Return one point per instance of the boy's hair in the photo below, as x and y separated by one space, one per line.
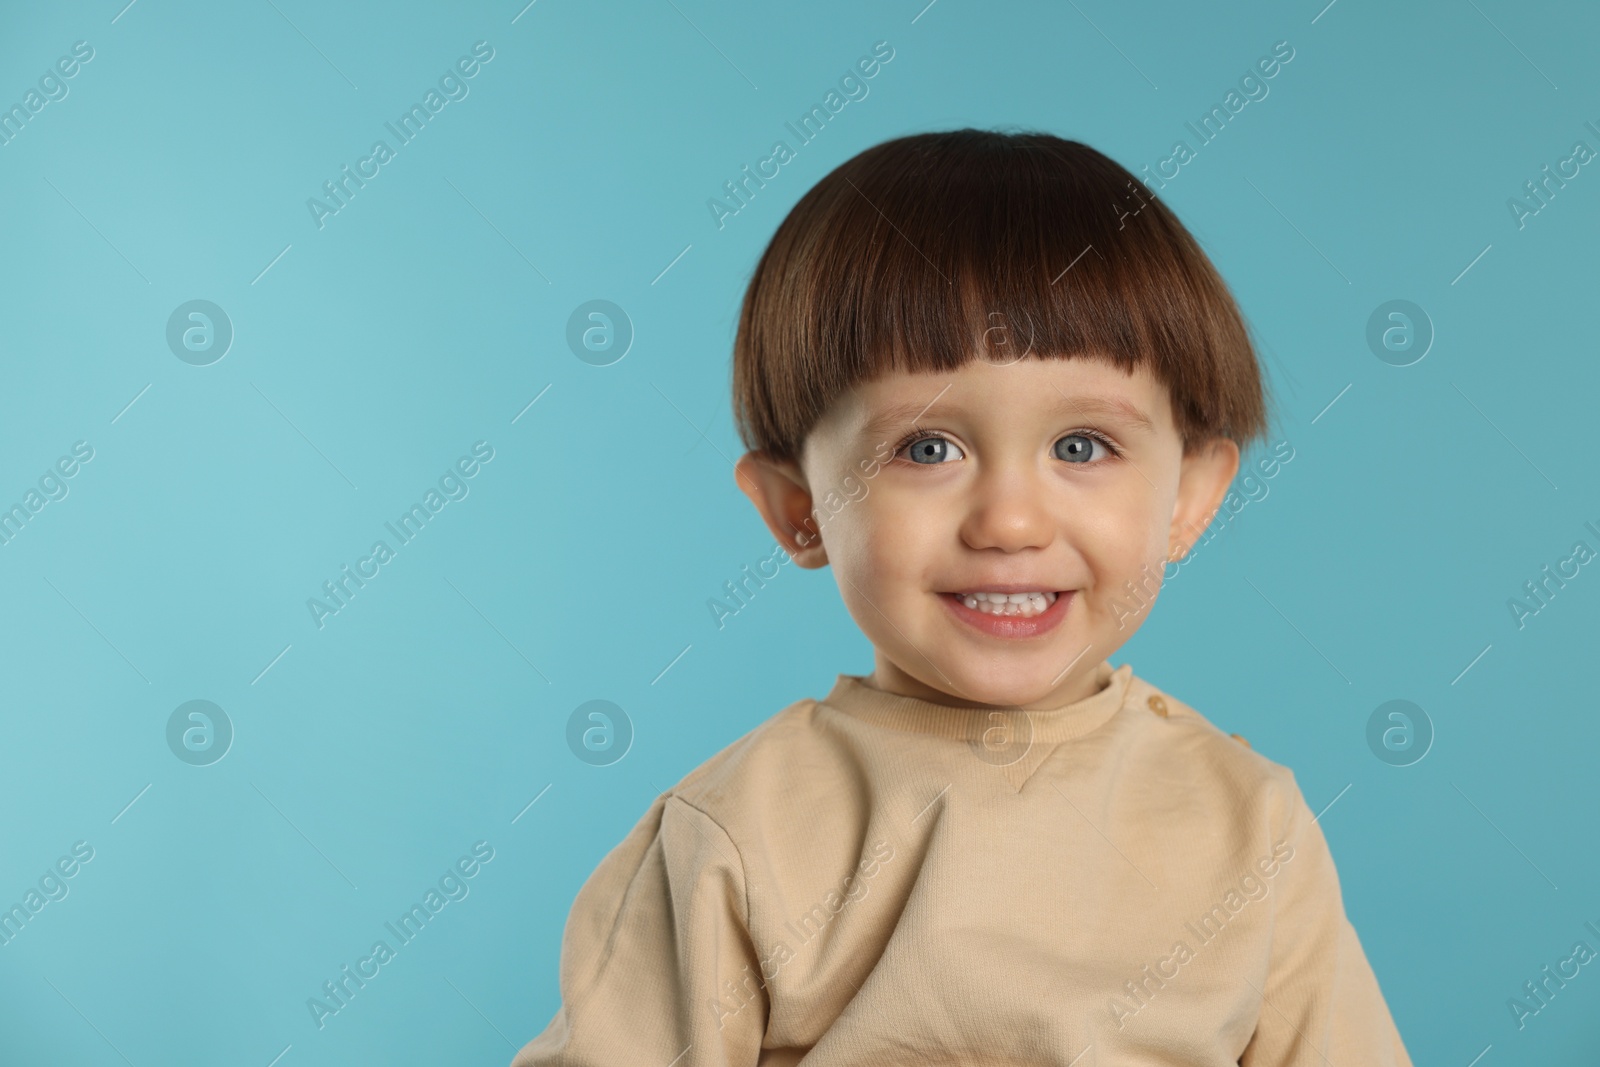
928 251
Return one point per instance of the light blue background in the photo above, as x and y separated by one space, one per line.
429 312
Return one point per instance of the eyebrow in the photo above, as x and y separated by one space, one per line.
1108 406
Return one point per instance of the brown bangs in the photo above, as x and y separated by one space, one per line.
929 251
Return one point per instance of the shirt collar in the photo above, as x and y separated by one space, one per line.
852 696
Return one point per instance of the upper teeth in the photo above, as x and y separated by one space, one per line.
1009 603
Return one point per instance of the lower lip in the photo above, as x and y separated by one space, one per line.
1011 626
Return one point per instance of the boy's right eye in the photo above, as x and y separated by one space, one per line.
933 450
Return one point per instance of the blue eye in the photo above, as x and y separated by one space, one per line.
1077 447
932 449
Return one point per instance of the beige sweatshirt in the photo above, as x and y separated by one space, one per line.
874 879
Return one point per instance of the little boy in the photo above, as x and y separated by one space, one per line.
996 848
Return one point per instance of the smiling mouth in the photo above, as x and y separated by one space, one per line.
1013 616
1016 605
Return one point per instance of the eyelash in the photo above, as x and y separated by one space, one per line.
922 435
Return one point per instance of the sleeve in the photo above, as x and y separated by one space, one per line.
657 964
1320 1001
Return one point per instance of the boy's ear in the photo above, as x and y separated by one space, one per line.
1203 481
779 491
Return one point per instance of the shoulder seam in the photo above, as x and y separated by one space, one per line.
693 779
744 877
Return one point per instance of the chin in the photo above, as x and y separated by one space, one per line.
1002 684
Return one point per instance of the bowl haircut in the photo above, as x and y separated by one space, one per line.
926 252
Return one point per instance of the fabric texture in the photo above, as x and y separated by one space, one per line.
875 879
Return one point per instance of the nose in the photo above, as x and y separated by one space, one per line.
1008 509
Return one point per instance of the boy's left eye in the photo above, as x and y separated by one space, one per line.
1078 447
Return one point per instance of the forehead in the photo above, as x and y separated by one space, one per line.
1026 390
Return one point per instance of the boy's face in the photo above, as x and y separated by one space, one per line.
1001 482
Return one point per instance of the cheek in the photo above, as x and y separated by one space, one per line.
1125 534
875 542
885 546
